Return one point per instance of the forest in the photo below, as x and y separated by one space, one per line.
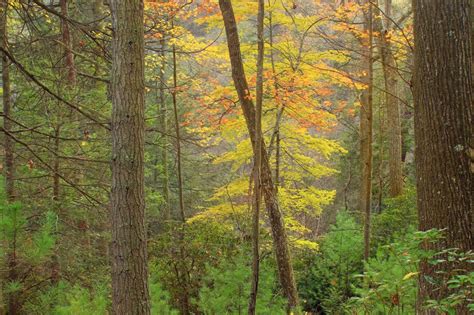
216 157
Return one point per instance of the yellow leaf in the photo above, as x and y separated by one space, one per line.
410 275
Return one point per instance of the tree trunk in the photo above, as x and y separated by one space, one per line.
279 111
471 147
56 164
129 253
443 126
7 124
14 305
366 131
280 239
55 263
67 42
185 298
163 127
394 127
257 163
178 139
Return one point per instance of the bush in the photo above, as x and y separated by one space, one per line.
389 282
327 284
227 287
160 298
398 218
66 299
459 280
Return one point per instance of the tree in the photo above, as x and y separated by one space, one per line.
366 129
257 163
443 126
394 126
67 42
13 303
129 253
8 143
280 239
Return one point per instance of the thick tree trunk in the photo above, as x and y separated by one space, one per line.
366 132
280 239
471 147
443 128
129 253
257 163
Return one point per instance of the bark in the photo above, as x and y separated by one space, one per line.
366 132
392 104
280 239
257 162
443 97
67 41
471 147
129 253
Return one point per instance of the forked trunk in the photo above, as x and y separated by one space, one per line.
280 239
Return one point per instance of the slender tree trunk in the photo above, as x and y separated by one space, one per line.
129 253
70 80
178 139
279 112
55 264
56 164
444 123
14 305
366 132
381 135
67 42
163 120
9 166
277 159
257 162
394 126
280 239
185 299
